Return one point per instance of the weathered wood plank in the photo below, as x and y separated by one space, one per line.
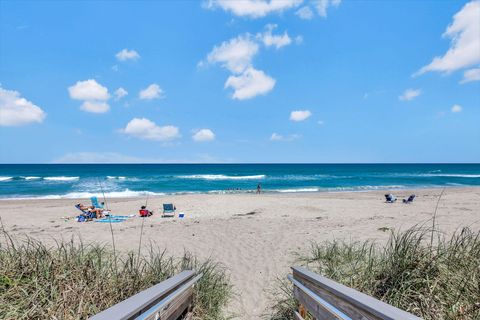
316 306
142 301
172 306
353 303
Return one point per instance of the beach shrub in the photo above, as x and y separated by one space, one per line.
72 280
418 270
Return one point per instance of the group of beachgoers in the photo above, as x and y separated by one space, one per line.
98 211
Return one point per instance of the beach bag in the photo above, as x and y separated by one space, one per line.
80 219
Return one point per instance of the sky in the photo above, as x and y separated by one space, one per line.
239 81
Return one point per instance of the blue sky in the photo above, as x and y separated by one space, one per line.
243 81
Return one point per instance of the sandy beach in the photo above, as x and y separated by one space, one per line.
253 236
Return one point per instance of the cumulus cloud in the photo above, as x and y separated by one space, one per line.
17 111
88 90
471 75
146 129
323 5
93 94
464 50
409 94
95 106
236 54
120 93
279 137
305 13
203 135
151 92
126 54
300 115
253 8
457 108
277 41
249 84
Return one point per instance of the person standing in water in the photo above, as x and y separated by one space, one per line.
259 188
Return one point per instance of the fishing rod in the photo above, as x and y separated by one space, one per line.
110 223
141 229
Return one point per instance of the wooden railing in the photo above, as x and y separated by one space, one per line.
166 300
325 299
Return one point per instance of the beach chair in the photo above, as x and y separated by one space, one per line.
410 199
390 198
168 210
95 203
87 215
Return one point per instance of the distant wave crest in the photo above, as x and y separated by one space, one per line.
61 178
5 178
222 177
453 175
116 177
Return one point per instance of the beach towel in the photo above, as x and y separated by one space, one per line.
110 220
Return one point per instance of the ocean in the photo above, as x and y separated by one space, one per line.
55 181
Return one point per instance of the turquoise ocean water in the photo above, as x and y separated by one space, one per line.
130 180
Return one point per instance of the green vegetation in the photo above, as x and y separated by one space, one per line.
71 280
419 270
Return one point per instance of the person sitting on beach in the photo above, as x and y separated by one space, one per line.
98 212
144 212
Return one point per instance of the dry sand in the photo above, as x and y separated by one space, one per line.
253 236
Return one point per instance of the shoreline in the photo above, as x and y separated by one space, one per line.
300 191
255 237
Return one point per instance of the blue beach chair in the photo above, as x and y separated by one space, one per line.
168 210
86 215
95 203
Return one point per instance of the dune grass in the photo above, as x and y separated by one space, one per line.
418 270
72 280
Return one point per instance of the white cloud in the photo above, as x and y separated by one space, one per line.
204 135
126 54
323 5
151 92
279 137
95 106
464 33
300 115
253 8
457 108
17 111
410 94
236 54
88 90
471 75
305 13
146 129
120 93
249 84
277 41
